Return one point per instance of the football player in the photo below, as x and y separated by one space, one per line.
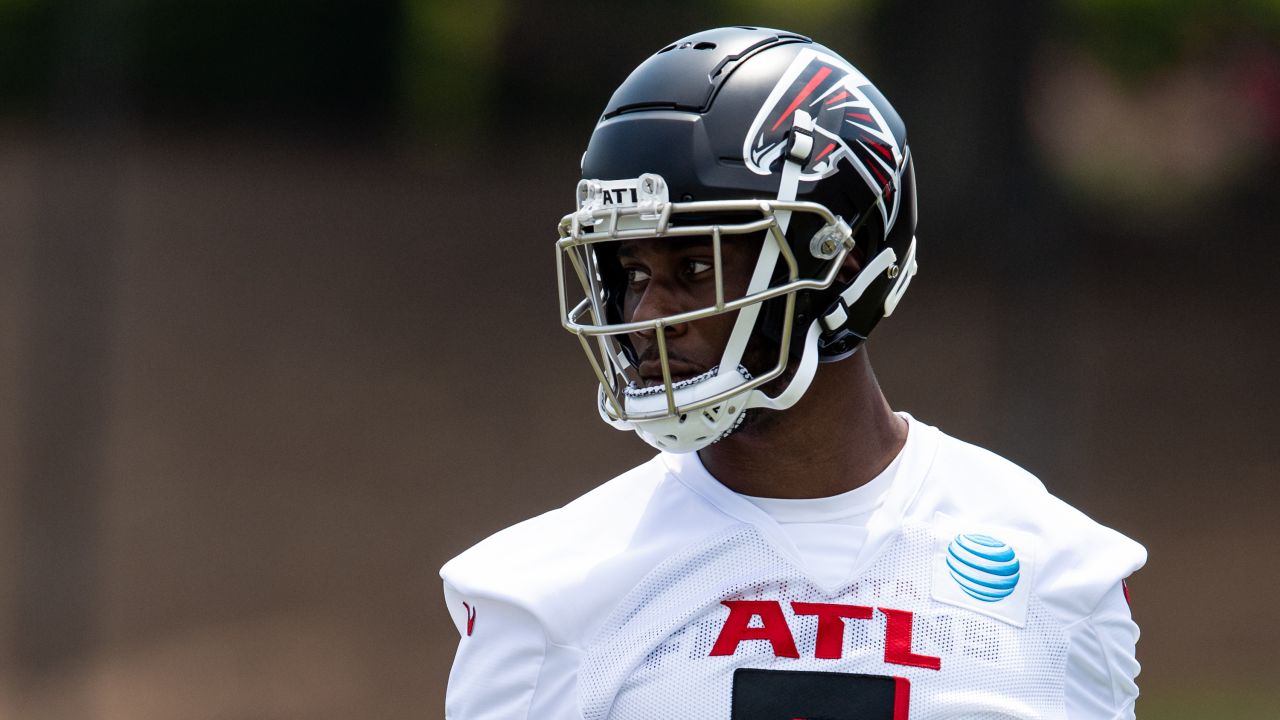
796 549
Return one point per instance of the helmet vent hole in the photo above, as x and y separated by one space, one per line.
672 438
705 46
683 417
672 46
701 438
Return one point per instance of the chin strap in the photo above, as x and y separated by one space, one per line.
799 382
746 321
800 145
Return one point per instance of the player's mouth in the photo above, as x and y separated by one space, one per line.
651 371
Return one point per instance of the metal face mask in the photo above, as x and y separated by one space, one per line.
689 414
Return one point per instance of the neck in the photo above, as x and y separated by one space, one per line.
838 437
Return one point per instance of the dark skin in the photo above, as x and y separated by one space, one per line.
766 457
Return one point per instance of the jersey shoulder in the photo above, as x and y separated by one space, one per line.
1077 559
568 567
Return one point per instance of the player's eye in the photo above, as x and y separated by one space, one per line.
697 267
636 275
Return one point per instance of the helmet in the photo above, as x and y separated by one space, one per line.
730 132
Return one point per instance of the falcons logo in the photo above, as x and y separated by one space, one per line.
847 124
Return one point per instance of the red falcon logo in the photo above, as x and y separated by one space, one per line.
847 124
471 618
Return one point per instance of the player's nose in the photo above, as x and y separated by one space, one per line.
659 300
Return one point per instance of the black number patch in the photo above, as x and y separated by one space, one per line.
801 695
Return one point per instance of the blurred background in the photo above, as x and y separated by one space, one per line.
278 328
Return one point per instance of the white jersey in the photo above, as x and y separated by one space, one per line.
972 593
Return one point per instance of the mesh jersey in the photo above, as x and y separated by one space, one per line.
663 595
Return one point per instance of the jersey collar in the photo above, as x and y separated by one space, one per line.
916 460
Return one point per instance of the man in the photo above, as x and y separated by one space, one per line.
797 549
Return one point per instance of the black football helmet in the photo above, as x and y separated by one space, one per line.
739 131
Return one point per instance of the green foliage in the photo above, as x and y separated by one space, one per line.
26 54
1135 37
450 60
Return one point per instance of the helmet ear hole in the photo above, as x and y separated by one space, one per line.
851 267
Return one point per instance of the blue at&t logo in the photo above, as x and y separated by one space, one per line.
984 567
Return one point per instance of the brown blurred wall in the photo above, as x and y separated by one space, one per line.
322 376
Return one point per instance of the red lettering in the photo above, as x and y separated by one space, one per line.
897 642
773 627
830 640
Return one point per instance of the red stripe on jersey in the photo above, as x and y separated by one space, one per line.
901 698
